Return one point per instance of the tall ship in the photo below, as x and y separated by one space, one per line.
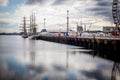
23 28
32 26
28 30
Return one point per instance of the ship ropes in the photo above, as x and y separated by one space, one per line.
28 28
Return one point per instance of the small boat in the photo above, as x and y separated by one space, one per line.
33 37
25 36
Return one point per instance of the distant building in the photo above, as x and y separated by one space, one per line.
111 31
44 30
79 28
108 29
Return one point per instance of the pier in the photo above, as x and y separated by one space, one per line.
104 47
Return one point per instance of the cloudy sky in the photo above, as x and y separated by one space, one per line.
97 12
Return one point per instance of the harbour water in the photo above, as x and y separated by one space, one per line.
25 59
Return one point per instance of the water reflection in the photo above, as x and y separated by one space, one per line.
24 47
98 73
41 60
67 57
32 52
115 71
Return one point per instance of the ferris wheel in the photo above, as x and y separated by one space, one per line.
116 14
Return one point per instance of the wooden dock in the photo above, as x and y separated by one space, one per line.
105 47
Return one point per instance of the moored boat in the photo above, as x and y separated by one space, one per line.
25 36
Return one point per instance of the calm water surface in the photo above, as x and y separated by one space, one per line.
24 59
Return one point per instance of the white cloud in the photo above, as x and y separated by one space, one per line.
10 30
4 14
3 3
10 21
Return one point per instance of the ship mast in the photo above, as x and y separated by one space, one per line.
30 25
34 27
33 24
24 26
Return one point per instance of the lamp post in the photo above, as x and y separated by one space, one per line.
44 23
67 22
